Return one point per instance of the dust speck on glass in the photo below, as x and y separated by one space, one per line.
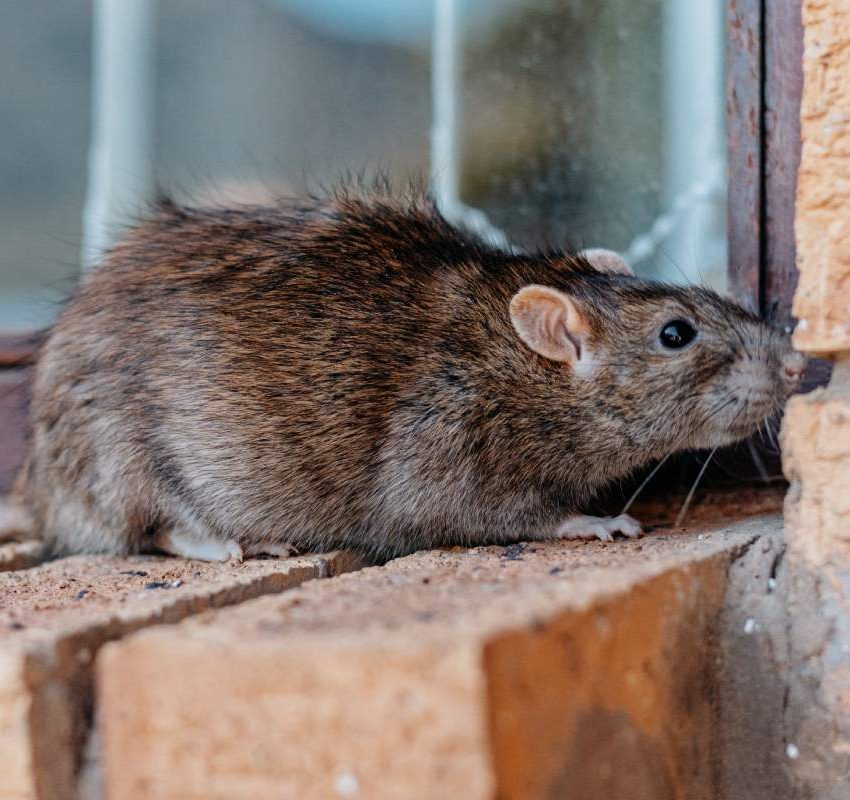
576 122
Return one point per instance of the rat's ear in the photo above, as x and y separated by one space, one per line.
549 322
607 261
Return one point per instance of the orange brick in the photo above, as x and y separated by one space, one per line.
816 458
822 300
54 618
538 671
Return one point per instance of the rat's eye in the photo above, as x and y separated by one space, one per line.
677 334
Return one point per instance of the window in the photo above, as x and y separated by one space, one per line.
543 122
601 123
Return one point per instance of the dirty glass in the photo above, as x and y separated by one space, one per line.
251 98
44 97
601 124
583 122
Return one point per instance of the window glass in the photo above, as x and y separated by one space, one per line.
584 122
601 124
44 106
253 96
250 98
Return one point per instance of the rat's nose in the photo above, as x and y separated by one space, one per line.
793 366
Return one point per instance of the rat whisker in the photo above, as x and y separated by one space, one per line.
772 432
768 441
771 448
666 253
686 505
741 408
765 478
643 484
762 431
713 412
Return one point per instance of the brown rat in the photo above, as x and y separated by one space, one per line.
355 372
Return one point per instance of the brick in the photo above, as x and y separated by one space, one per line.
533 671
816 459
822 300
55 617
750 754
816 430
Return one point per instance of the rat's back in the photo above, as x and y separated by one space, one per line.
235 372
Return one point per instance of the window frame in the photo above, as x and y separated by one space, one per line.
764 89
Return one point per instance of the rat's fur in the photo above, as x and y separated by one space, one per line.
344 373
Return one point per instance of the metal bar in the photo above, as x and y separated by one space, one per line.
783 88
445 163
694 142
121 167
744 119
444 81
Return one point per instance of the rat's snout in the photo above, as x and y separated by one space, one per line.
793 366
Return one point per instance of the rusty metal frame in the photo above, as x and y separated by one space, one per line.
764 86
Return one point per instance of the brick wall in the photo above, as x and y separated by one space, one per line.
816 435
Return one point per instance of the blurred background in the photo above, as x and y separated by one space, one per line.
539 122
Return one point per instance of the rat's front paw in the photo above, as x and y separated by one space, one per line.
197 545
602 528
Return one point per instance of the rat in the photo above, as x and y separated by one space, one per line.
353 371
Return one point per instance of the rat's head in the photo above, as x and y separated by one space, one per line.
658 367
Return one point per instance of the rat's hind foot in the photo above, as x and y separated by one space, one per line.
602 528
200 548
15 523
